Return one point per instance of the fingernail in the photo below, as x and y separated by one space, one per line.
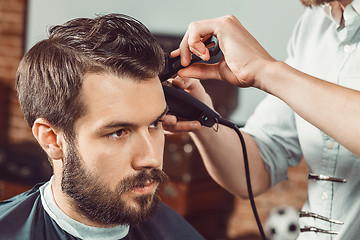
194 125
198 53
179 81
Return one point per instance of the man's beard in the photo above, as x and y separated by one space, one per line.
98 203
311 3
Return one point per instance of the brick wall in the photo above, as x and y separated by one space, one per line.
12 33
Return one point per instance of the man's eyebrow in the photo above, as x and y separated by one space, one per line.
161 116
119 124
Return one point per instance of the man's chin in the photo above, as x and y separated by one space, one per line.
134 210
139 209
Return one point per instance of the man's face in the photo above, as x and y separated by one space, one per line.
113 169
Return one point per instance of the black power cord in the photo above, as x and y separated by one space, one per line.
185 106
247 173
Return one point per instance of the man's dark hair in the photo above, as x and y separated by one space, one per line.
50 75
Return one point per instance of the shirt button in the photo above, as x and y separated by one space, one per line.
329 144
347 48
324 196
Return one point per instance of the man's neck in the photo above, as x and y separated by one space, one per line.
344 3
337 9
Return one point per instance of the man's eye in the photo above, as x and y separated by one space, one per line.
118 134
156 124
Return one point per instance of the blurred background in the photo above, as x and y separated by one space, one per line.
211 210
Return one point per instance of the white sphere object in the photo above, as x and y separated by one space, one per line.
283 223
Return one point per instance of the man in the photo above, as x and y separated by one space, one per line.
303 116
92 96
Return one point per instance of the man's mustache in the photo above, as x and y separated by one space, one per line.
141 179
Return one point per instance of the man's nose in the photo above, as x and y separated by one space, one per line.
147 154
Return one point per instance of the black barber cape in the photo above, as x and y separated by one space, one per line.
24 218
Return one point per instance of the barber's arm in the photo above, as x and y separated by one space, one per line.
221 151
247 64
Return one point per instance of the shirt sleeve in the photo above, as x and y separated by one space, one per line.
274 130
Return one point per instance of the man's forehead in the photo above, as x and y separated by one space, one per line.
111 98
107 88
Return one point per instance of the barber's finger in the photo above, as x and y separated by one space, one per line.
185 61
188 84
184 126
196 32
181 82
192 42
169 120
219 71
185 54
200 71
200 50
175 53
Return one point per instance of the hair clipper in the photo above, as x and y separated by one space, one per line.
181 103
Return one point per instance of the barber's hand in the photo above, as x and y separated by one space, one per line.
244 58
194 87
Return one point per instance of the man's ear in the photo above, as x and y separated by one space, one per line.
49 138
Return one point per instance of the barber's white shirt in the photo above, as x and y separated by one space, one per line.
323 48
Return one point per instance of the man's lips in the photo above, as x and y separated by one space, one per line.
148 187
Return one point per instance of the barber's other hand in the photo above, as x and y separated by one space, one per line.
244 58
194 87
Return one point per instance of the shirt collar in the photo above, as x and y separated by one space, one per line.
356 5
336 13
